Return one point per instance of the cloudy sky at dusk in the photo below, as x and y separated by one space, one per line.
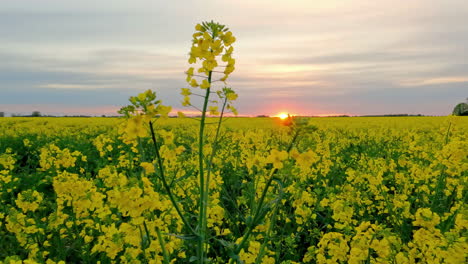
305 57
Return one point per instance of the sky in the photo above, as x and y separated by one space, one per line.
305 57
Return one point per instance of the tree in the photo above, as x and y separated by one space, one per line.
2 114
461 109
36 114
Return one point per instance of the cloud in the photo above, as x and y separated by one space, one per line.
319 56
440 80
94 70
76 86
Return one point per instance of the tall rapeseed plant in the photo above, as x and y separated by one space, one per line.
212 63
211 49
211 55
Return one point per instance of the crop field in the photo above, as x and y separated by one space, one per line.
301 190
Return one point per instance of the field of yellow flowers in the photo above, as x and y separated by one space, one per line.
344 190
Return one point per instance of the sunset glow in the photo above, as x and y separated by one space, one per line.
283 116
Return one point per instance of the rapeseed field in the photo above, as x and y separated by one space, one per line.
349 190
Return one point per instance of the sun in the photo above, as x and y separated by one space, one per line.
283 116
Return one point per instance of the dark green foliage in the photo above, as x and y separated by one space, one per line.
461 109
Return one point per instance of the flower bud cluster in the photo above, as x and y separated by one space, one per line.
211 48
140 112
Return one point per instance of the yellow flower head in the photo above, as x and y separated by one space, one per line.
185 92
210 40
149 167
29 200
213 110
194 83
277 157
199 27
205 84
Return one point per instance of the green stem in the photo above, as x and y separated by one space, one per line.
202 204
143 244
215 147
447 135
254 223
164 182
256 217
210 163
163 246
268 234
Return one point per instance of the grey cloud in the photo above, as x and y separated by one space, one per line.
365 50
26 80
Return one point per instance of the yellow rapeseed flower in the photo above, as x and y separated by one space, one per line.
276 158
149 167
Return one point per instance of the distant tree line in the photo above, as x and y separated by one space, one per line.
390 115
33 114
460 109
